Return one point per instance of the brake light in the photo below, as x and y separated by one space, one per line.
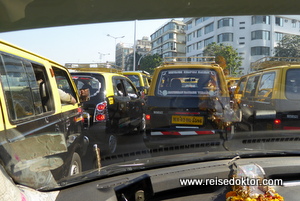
101 106
100 112
147 117
100 117
277 121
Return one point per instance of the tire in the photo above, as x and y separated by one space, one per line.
76 166
112 143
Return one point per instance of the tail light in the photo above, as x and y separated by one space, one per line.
277 124
100 112
277 121
147 117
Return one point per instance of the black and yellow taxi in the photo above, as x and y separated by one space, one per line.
186 99
141 79
268 98
115 107
41 124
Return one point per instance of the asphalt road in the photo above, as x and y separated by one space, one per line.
130 147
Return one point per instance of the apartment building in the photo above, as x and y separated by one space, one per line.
122 52
254 37
169 40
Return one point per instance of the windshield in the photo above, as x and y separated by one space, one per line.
245 100
189 82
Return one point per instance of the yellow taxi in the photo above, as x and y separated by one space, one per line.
186 99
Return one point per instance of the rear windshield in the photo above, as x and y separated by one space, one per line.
87 82
292 90
187 82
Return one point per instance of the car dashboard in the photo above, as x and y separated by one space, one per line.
164 183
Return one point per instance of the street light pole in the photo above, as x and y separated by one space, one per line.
101 54
115 44
115 38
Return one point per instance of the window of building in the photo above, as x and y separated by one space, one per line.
208 41
260 19
168 36
278 36
260 34
279 21
225 22
199 45
188 26
294 22
189 37
189 49
225 37
169 26
259 50
199 20
209 28
242 27
199 32
242 37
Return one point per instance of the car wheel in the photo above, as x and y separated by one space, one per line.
112 143
76 166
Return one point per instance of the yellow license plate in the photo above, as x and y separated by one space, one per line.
191 120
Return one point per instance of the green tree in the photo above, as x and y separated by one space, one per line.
288 46
150 62
232 60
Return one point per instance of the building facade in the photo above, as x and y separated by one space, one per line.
143 46
169 40
254 37
122 52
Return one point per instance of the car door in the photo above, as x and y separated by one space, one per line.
122 101
135 104
28 125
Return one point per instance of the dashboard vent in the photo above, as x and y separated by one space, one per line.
265 140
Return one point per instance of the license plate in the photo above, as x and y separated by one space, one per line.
191 120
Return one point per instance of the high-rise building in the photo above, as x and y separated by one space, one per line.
254 37
122 52
169 40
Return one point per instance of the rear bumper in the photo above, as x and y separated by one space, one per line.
197 138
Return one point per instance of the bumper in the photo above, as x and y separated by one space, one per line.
170 138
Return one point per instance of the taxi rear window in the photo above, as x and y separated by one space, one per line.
187 82
87 82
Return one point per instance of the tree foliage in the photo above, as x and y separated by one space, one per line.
289 46
226 57
150 62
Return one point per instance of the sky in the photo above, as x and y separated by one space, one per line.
82 43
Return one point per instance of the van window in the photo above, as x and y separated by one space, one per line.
119 88
130 89
20 88
266 85
242 85
251 86
63 82
292 87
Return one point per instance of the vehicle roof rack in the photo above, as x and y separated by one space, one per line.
189 60
96 67
268 62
